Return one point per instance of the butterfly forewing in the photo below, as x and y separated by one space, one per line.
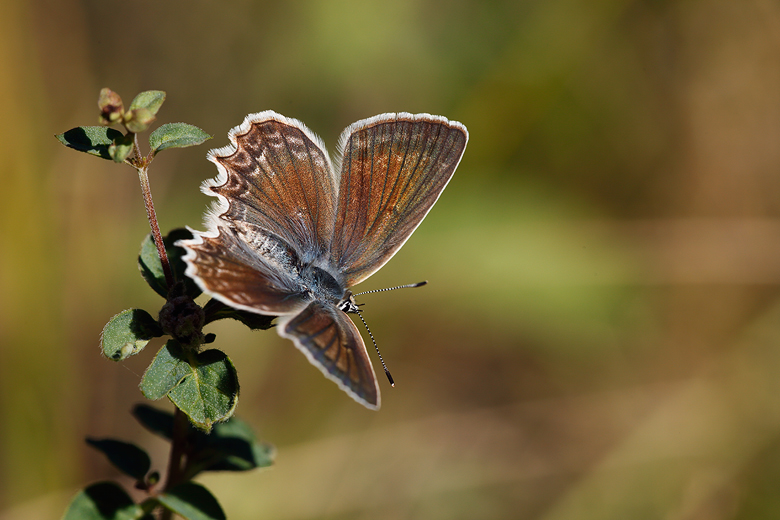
279 178
393 169
333 344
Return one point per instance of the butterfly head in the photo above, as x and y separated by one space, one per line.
347 303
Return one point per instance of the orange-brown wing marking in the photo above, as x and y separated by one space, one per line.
279 179
333 344
229 267
393 170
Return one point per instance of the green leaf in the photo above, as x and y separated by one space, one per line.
151 267
216 310
210 393
127 334
192 501
138 119
231 446
121 148
104 501
150 100
94 140
128 458
236 440
176 135
203 386
156 421
169 367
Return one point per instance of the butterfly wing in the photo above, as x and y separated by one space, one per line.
277 176
276 208
246 268
333 344
393 169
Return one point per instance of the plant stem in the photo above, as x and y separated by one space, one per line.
179 447
178 453
152 215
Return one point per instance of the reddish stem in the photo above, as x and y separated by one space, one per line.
180 421
150 213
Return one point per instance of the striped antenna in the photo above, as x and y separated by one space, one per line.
387 372
407 286
360 313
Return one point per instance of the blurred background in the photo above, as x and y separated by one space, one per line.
600 338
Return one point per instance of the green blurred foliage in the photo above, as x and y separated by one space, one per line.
600 334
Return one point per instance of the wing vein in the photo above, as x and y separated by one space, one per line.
383 202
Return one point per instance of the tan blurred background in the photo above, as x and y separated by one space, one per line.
600 338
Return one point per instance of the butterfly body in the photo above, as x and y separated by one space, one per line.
292 233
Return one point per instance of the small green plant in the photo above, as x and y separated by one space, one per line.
202 384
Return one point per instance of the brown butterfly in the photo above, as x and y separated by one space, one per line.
291 233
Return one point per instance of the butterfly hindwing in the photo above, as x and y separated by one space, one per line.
246 268
333 344
393 169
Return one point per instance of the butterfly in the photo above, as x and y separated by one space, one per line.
292 231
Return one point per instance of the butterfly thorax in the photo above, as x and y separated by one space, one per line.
321 285
294 270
